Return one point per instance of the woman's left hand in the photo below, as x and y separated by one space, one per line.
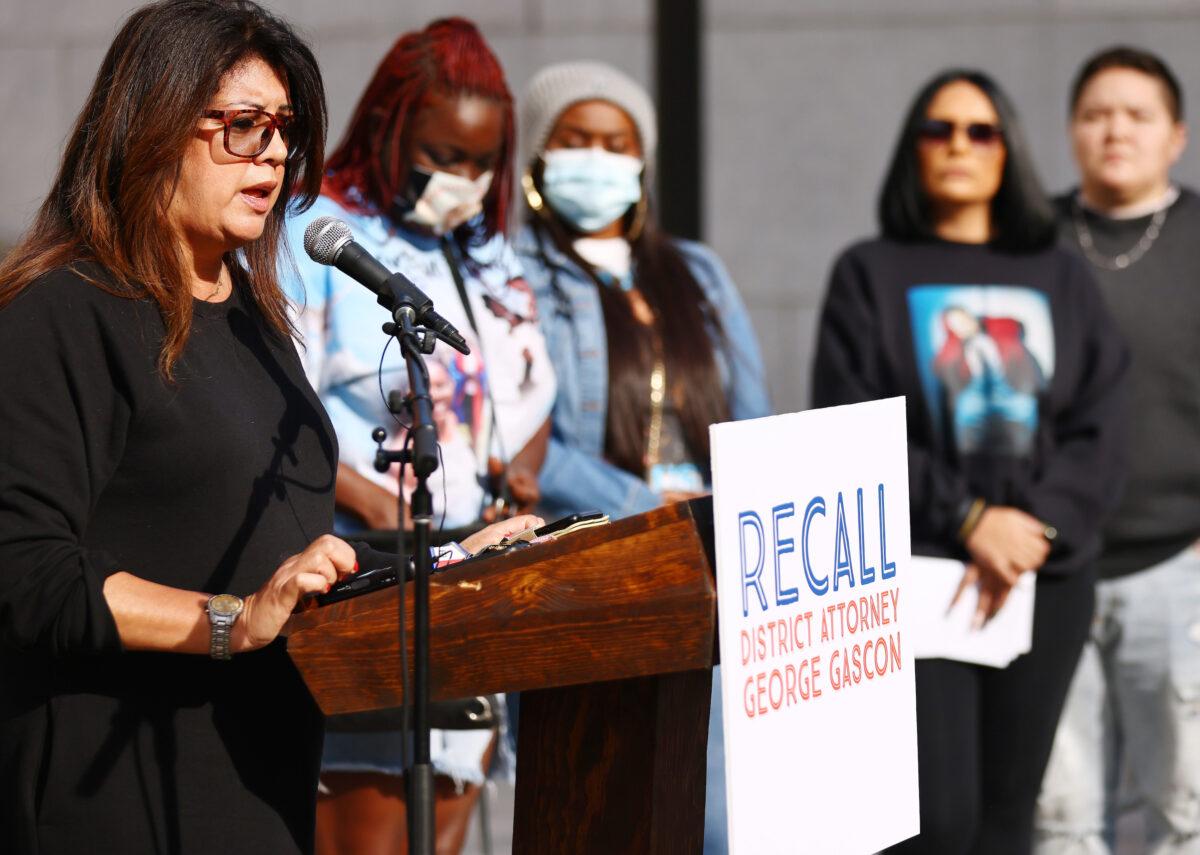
496 532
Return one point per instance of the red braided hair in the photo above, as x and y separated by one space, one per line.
370 166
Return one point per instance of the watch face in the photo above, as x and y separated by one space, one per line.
225 605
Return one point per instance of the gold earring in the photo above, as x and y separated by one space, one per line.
532 196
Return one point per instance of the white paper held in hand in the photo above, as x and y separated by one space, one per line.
942 631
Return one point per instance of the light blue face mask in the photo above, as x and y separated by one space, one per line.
589 187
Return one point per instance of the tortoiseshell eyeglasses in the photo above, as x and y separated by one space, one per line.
248 131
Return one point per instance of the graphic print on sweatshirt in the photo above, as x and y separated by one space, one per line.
984 354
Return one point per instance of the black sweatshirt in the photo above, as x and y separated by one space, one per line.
1156 304
1012 371
206 484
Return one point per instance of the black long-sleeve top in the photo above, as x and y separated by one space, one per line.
206 483
1013 376
1156 305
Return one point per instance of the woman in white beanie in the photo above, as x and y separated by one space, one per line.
648 335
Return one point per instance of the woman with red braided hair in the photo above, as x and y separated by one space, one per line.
423 177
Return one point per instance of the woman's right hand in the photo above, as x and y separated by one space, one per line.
993 593
326 560
1007 542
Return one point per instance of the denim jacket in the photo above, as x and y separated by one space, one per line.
575 475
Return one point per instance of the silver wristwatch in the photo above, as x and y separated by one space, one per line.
223 610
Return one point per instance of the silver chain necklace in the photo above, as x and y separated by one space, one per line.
1124 259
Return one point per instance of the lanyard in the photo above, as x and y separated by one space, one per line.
499 488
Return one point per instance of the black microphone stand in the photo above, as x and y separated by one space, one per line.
416 342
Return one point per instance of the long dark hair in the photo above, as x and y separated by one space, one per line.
370 166
123 159
1022 217
685 323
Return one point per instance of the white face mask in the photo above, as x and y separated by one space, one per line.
589 187
448 201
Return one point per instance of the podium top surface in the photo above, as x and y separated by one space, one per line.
629 599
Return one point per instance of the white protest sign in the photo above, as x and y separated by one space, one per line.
811 527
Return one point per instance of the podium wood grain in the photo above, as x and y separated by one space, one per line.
609 632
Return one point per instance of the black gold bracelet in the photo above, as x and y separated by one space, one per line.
971 520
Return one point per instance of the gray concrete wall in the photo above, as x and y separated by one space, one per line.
803 102
50 51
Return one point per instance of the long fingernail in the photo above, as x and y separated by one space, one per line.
355 570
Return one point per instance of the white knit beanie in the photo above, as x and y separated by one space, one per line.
556 87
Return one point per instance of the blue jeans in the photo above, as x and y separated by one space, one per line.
1135 700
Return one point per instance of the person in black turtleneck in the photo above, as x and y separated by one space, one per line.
1012 371
1133 711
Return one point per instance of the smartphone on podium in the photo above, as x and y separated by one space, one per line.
560 527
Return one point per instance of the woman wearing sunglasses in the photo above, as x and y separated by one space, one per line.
423 177
1012 373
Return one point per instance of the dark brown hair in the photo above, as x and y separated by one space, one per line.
1122 56
109 201
686 323
370 166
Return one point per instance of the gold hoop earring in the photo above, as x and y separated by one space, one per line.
532 196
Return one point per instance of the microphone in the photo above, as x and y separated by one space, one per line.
328 240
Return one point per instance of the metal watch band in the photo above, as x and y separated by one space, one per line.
219 639
223 611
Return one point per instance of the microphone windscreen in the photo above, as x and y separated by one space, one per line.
324 239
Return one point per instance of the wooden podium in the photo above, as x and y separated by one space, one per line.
608 633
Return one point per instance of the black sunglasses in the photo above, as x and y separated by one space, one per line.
939 130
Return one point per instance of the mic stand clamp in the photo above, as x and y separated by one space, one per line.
424 338
384 458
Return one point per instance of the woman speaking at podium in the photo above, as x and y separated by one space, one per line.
1011 369
167 474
